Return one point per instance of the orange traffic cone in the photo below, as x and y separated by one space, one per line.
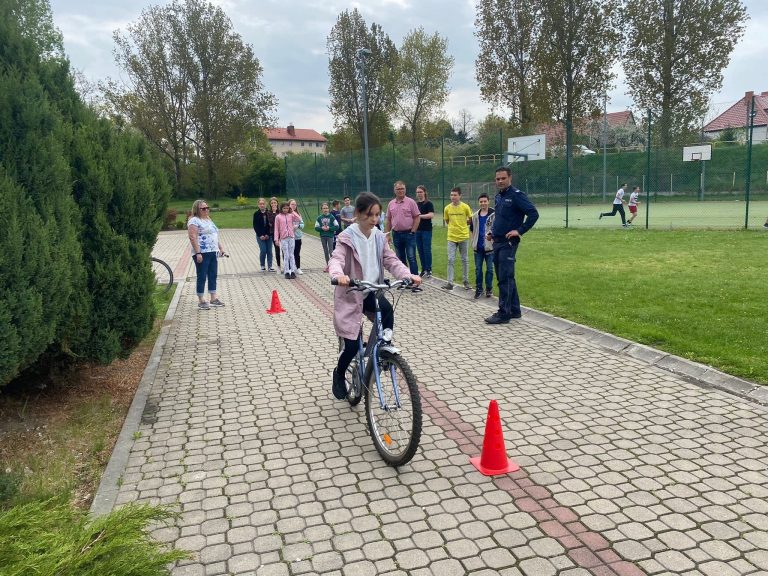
493 459
276 307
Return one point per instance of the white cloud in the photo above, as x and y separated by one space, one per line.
289 38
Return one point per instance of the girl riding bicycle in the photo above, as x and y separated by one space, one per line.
362 252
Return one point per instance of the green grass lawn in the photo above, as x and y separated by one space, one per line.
699 295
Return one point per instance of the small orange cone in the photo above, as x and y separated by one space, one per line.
276 307
493 459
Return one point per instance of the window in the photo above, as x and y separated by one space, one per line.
302 144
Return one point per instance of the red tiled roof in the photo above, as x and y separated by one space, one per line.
619 118
736 115
305 134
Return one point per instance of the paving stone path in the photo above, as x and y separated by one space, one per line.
631 462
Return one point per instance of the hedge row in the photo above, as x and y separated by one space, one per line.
81 203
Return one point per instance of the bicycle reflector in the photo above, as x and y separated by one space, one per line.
387 334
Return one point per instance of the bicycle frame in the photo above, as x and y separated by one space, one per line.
368 357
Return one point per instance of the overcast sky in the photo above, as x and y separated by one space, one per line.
289 38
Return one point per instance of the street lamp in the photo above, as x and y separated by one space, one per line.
362 54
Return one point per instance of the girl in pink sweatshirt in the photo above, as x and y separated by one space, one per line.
285 239
362 252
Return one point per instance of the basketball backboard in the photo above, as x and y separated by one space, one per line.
526 148
697 153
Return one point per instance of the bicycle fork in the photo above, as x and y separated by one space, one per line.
372 364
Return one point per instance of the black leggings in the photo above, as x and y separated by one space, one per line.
297 253
350 346
616 208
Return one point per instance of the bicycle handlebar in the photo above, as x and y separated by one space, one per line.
355 284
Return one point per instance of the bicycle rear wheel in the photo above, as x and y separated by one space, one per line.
163 274
352 379
395 431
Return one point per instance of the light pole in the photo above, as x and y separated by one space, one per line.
362 54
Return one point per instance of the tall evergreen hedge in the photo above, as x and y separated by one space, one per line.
81 204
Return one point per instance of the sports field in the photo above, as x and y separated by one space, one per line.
662 215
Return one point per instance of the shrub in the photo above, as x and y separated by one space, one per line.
82 203
42 276
51 537
169 222
123 194
241 200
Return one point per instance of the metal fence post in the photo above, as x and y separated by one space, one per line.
442 169
748 170
648 173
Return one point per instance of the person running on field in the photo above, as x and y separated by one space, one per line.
618 205
362 252
634 200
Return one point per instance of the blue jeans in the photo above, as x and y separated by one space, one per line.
480 259
504 255
424 246
405 246
265 251
208 269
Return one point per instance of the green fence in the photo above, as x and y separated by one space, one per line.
675 194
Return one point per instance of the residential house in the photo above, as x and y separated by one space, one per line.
622 131
293 140
736 117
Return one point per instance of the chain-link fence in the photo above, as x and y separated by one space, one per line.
730 190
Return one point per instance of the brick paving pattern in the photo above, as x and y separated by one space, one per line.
627 468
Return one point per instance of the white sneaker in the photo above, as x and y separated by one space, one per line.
298 271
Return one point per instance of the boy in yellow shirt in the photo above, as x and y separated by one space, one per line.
457 216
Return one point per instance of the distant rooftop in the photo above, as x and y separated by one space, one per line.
736 115
291 133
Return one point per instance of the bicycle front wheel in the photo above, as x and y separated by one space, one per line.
163 274
395 431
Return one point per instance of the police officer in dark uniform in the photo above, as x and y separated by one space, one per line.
514 215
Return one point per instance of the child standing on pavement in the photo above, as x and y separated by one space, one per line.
285 239
362 252
457 216
327 225
482 246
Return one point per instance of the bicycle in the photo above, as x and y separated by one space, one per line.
163 273
382 376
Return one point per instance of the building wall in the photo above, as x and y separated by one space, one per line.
759 134
283 147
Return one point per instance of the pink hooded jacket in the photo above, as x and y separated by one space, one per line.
348 308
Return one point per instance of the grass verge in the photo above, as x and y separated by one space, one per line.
55 441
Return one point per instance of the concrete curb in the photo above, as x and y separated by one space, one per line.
699 374
104 500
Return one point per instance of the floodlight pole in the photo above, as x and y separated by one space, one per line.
750 106
362 54
605 145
